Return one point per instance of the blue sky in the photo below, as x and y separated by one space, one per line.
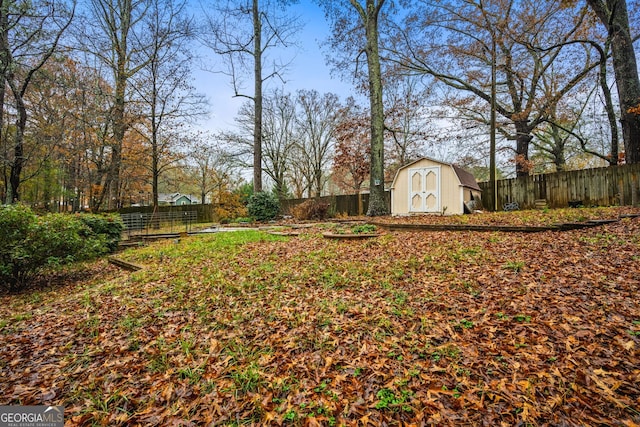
308 71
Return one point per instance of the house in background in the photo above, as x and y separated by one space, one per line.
430 186
176 199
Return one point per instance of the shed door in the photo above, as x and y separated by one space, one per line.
424 189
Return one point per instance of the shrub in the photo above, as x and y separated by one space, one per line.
230 206
263 206
364 229
244 193
311 209
106 227
16 223
34 243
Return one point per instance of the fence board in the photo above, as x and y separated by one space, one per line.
339 205
593 187
613 185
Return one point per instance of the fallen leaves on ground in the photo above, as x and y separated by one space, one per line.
531 218
409 328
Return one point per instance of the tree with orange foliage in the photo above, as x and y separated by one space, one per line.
30 33
134 174
116 33
352 159
51 170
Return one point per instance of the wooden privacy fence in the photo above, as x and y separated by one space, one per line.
339 205
613 185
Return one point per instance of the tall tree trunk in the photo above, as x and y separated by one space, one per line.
558 150
318 182
377 204
119 39
155 152
203 191
257 99
523 140
154 172
17 165
4 67
19 160
119 129
613 14
608 101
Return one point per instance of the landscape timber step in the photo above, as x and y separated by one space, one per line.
350 236
540 204
124 264
566 226
284 233
162 236
123 244
602 221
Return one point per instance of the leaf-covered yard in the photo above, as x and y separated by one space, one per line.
409 328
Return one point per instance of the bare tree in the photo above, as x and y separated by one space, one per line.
164 97
113 33
460 42
566 135
317 121
245 32
406 120
280 136
210 165
351 163
555 140
30 33
238 142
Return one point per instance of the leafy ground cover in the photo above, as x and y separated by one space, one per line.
409 328
540 217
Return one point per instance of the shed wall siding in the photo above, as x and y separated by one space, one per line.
451 192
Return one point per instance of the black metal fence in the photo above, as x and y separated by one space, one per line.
206 213
145 223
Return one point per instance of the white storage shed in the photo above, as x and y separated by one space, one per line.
430 186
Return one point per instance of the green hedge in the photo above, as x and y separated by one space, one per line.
263 206
34 243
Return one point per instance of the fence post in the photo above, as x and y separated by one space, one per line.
634 189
